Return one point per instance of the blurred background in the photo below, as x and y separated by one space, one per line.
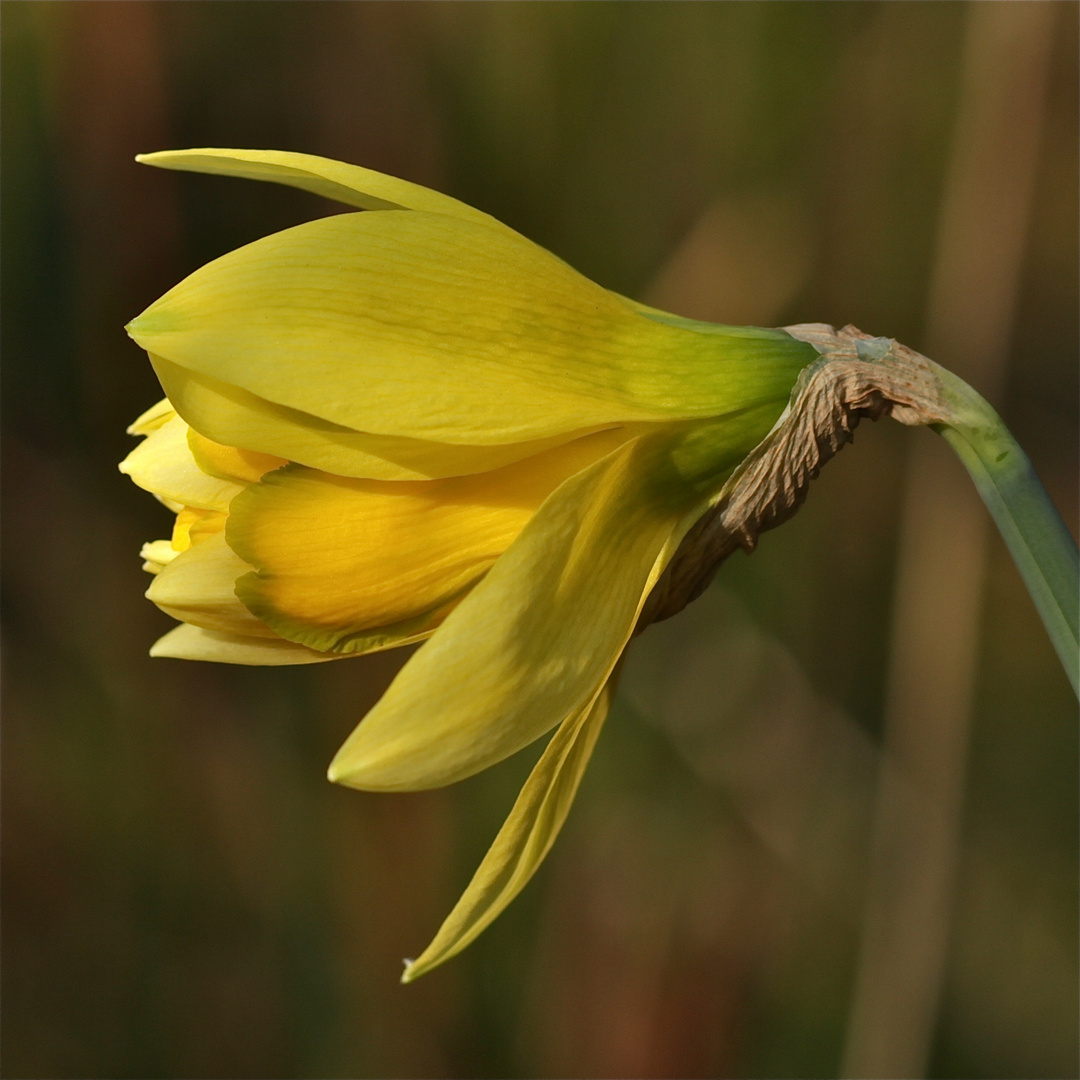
831 828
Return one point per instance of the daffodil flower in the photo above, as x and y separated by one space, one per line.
414 423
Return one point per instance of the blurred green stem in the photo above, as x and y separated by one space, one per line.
1041 546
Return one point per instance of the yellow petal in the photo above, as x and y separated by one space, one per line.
238 418
187 642
336 557
526 837
156 555
153 418
198 587
163 464
442 328
230 462
349 184
194 525
530 644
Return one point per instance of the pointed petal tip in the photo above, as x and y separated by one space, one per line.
157 157
156 650
408 975
148 325
338 772
349 775
137 328
377 776
347 772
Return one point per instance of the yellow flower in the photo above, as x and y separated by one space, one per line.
414 422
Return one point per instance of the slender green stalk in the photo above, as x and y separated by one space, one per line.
1041 546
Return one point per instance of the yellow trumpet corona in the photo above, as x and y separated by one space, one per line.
412 423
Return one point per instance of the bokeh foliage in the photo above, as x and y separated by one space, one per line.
184 894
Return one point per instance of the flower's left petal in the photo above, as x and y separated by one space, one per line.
525 838
186 642
349 184
198 587
163 464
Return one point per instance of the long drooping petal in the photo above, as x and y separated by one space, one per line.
526 836
335 557
444 329
532 642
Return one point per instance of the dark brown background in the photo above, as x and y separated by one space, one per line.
184 894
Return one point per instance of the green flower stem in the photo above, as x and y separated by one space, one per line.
1041 546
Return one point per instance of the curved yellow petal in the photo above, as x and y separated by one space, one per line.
235 417
336 556
163 464
530 644
198 587
525 838
186 642
349 184
442 328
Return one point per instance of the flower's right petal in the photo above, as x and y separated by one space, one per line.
187 642
163 464
525 838
532 642
349 184
235 417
